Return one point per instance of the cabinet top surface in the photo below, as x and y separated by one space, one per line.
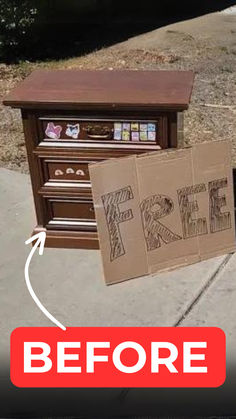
64 89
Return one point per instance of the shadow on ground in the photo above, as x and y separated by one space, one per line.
67 33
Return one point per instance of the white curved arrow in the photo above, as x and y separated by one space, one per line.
40 241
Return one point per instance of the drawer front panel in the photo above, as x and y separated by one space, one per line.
68 213
72 210
65 172
118 133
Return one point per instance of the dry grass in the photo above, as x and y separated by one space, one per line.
215 84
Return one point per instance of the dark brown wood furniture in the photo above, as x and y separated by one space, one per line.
72 118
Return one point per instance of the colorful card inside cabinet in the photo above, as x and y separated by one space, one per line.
135 131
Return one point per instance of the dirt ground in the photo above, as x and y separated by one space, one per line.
206 45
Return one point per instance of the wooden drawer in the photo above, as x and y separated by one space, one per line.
70 213
60 172
148 133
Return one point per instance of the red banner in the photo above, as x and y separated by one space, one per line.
118 357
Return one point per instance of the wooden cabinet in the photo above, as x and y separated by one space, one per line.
73 118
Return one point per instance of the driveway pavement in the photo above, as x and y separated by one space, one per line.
70 282
70 285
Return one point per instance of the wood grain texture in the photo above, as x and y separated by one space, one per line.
61 89
63 200
69 239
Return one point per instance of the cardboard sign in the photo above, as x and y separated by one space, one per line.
163 210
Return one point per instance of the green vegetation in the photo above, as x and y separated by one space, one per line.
17 18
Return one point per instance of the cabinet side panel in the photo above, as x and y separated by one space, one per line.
31 141
172 119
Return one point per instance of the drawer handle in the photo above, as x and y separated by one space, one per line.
91 209
99 135
97 131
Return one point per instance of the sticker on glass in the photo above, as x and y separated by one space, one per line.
143 136
134 126
126 126
151 127
151 136
117 126
73 131
135 136
53 131
117 135
143 127
125 135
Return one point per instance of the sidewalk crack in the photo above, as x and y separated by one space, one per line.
203 290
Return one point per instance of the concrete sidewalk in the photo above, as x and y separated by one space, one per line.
70 285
